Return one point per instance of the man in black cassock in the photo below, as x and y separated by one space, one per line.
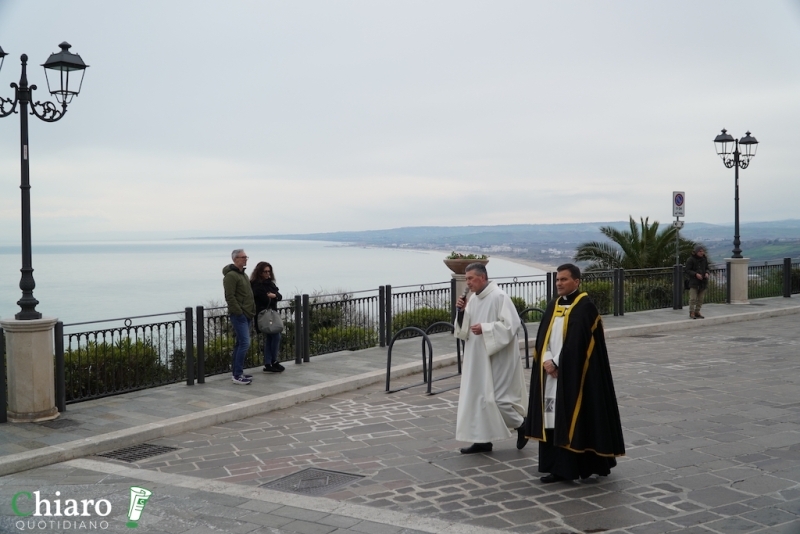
572 410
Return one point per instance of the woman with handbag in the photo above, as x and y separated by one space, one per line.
266 295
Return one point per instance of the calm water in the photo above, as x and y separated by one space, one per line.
91 281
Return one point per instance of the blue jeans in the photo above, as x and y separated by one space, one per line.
241 332
272 343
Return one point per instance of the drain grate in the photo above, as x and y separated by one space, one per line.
312 481
137 452
60 423
650 336
747 339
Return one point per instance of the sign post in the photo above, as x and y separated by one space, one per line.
678 211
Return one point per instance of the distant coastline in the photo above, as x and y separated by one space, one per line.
530 263
545 267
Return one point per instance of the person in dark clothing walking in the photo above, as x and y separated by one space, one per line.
266 295
697 271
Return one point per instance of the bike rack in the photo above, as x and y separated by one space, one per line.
459 345
525 329
425 340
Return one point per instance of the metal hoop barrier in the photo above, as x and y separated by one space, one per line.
425 339
431 380
525 329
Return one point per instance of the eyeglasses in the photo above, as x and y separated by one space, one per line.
242 257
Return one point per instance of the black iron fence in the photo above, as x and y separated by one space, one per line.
344 321
527 292
127 354
120 355
419 305
647 289
765 280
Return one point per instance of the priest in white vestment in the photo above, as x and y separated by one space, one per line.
492 399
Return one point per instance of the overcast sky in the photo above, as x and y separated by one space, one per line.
256 117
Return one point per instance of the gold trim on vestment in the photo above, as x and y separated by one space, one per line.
558 311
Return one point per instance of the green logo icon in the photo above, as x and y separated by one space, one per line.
139 498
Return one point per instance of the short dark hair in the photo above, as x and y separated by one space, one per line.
478 268
573 269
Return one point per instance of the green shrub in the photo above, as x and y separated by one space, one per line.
649 297
530 317
217 355
601 293
328 316
519 304
101 368
421 318
326 340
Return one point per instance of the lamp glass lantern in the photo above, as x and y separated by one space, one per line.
61 70
725 144
748 145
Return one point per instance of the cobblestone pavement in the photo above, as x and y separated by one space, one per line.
712 426
711 421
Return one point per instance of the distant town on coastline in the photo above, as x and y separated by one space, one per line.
556 243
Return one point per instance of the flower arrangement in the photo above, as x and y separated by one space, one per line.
459 256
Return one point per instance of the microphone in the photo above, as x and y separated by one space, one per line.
460 314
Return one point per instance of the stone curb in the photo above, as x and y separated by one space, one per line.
307 502
23 461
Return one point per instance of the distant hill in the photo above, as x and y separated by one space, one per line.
556 242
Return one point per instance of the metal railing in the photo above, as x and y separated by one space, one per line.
600 285
128 354
647 289
345 321
765 280
428 304
119 358
526 292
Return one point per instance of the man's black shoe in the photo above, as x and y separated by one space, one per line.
521 439
278 367
477 447
270 369
551 478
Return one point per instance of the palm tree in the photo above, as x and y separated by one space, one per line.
634 249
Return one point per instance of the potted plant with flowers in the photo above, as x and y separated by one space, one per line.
457 262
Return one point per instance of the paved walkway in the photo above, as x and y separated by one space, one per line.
710 409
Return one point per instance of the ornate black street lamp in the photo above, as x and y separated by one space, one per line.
728 150
67 66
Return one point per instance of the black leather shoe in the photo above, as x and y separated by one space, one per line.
551 478
521 439
477 447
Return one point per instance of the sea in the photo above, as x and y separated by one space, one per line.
91 281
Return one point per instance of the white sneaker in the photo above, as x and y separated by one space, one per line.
241 381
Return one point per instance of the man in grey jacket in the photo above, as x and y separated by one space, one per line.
241 309
697 271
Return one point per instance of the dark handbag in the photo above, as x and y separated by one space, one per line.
686 284
269 322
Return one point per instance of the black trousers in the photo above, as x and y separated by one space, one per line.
571 465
